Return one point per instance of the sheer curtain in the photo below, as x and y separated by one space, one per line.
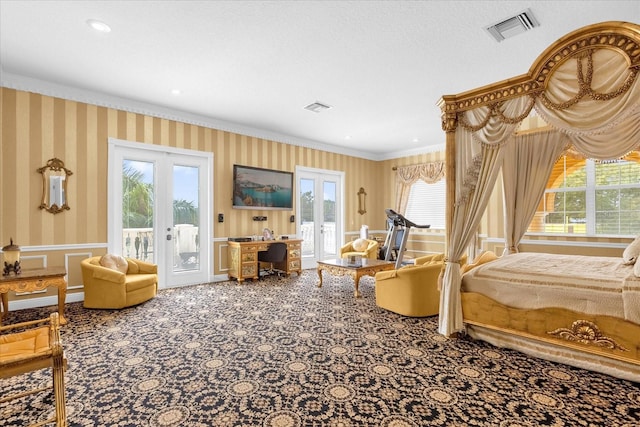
479 154
406 176
527 164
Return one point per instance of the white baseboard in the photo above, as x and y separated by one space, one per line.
220 278
43 301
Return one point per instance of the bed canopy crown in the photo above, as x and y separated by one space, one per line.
620 36
585 86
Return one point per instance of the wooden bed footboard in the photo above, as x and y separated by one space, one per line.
605 336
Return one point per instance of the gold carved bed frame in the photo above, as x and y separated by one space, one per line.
600 343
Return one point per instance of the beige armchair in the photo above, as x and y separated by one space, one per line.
412 290
364 248
109 288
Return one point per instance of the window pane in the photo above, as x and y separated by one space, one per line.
612 189
617 172
574 173
618 211
565 212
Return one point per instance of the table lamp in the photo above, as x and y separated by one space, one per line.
11 255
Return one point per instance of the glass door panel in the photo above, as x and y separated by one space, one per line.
186 232
307 216
320 213
160 202
138 218
329 219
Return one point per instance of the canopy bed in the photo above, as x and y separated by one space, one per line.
585 87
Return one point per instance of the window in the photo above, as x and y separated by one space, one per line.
426 204
591 198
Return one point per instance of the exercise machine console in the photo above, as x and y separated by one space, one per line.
397 236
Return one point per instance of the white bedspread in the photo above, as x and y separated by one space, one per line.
591 285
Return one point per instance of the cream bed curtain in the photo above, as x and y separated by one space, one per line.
591 97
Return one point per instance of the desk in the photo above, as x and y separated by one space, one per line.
243 258
35 280
342 267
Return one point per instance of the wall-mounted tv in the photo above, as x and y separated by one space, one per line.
258 188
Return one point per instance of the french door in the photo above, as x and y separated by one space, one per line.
159 209
320 214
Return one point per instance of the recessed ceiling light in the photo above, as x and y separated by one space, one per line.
98 25
175 91
415 140
348 137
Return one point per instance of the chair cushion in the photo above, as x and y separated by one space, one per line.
114 262
139 281
21 344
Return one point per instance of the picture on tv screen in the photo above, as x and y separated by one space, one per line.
258 188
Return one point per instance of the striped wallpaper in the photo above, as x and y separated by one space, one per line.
36 128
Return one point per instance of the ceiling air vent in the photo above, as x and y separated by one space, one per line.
317 107
524 21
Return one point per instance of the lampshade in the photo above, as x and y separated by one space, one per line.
11 253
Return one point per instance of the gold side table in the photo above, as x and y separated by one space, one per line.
35 280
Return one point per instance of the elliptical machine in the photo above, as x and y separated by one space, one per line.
397 236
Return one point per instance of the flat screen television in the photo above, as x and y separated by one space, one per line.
258 188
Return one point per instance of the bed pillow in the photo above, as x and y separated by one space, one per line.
483 258
636 269
630 254
114 262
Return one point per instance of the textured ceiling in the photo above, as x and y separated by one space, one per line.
252 66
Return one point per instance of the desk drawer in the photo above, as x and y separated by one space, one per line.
294 253
248 270
294 264
248 256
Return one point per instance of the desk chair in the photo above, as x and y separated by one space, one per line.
33 349
276 253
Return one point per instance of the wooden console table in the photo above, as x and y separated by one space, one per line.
35 280
243 258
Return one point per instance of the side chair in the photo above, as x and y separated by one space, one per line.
31 349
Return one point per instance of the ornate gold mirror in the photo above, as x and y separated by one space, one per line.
362 199
54 186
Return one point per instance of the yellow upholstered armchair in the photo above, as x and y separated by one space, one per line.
32 346
364 248
122 283
412 290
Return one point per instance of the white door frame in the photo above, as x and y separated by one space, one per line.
114 199
338 176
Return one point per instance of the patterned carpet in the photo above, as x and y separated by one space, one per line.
283 353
